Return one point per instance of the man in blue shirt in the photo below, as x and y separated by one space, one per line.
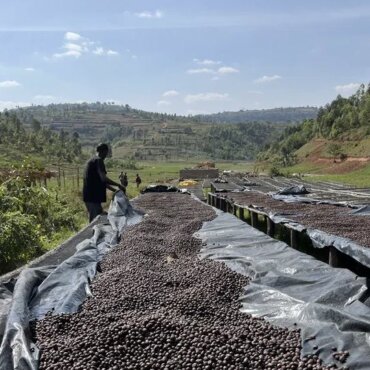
96 182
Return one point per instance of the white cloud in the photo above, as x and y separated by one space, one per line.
9 83
347 89
210 96
101 51
149 15
227 70
206 62
72 36
163 103
200 70
12 104
264 79
98 51
69 53
170 93
221 71
29 69
112 52
77 45
133 56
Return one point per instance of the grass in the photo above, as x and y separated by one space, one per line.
315 168
359 178
319 172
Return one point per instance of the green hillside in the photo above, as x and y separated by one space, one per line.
152 136
276 115
341 132
17 141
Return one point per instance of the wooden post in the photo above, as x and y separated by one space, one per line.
254 218
78 178
223 204
294 238
59 182
229 206
235 209
209 198
45 182
64 180
333 257
270 227
241 213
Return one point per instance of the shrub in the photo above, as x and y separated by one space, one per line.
275 171
30 217
20 239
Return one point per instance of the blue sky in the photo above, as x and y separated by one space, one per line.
183 57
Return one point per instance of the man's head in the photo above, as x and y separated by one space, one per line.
102 150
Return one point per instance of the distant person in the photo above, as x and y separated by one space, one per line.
96 182
138 180
123 179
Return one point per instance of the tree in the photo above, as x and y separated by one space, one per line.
334 150
36 125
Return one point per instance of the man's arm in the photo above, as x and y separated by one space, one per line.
111 188
104 178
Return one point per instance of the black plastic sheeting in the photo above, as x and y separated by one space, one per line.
321 239
290 288
293 194
160 188
57 289
293 190
290 198
362 211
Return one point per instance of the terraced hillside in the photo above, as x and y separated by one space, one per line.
147 136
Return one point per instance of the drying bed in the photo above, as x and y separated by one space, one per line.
156 305
318 190
337 220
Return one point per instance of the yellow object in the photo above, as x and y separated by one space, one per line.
186 183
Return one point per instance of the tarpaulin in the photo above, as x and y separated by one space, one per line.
300 198
57 289
160 188
293 190
290 198
362 211
290 288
